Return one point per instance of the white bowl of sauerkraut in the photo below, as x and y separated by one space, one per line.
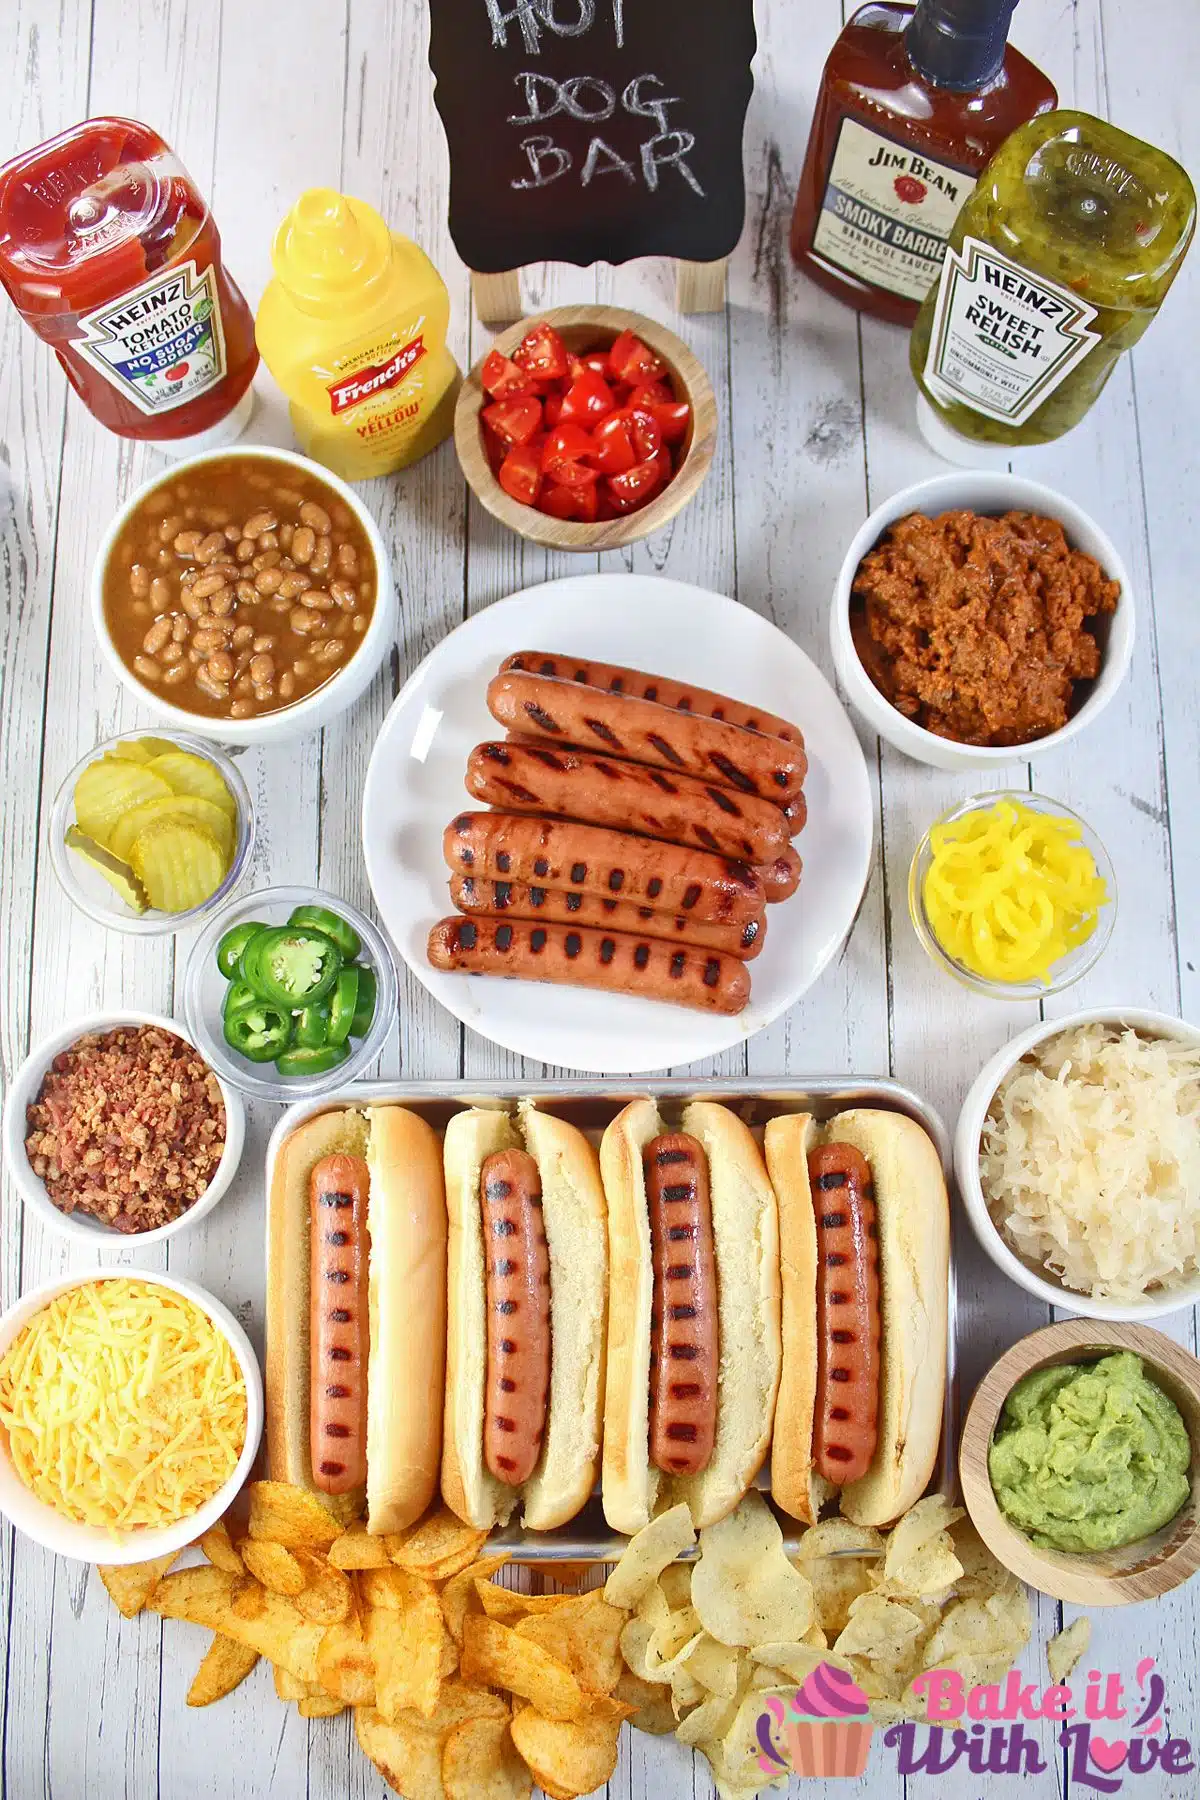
1077 1153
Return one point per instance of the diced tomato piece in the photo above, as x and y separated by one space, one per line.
552 407
502 379
612 445
495 448
597 362
587 400
579 503
542 353
651 393
565 454
634 362
520 474
644 431
674 416
635 486
515 421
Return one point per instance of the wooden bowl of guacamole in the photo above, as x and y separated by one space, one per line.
1080 1462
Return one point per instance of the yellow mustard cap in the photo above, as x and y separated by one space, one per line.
328 245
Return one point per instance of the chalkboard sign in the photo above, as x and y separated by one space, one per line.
593 130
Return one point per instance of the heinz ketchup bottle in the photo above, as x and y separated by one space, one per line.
111 256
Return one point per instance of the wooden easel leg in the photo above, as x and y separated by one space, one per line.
497 297
700 287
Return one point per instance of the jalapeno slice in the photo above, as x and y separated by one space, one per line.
343 1003
236 994
293 965
311 1060
364 1011
258 1030
312 1025
320 918
229 950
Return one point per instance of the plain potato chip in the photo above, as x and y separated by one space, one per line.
437 1546
838 1537
740 1745
458 1597
130 1585
676 1585
494 1656
982 1573
796 1661
647 1554
686 1691
1065 1650
357 1549
996 1627
480 1762
220 1549
653 1605
837 1581
345 1666
225 1665
567 1758
586 1638
637 1637
319 1706
406 1649
408 1757
743 1587
919 1524
650 1701
713 1665
291 1517
203 1596
878 1627
930 1569
678 1632
276 1567
711 1719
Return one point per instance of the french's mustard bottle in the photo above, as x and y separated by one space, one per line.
1056 265
353 328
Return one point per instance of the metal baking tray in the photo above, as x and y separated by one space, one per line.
591 1105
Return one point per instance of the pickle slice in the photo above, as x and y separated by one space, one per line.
178 862
130 825
117 873
142 750
185 773
109 787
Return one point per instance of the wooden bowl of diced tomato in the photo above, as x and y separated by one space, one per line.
586 427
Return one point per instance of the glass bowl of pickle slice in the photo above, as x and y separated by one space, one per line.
151 832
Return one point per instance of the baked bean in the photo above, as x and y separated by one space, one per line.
329 652
317 600
243 685
321 559
220 666
195 657
147 668
206 640
262 669
210 547
280 604
187 542
303 622
208 584
241 709
314 515
347 559
160 593
285 536
304 542
164 558
171 653
264 642
268 540
293 583
177 673
192 607
247 593
216 690
158 635
245 550
139 581
302 666
289 496
242 636
266 559
287 684
265 693
267 581
258 522
358 622
169 528
232 533
257 478
345 593
180 630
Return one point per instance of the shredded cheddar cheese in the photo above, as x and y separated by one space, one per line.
124 1406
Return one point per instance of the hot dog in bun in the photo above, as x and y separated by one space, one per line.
528 1277
356 1302
864 1232
694 1321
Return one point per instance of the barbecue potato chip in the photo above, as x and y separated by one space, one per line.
480 1762
650 1703
458 1597
327 1596
247 1597
494 1656
291 1517
288 1688
406 1649
647 1554
503 1604
204 1596
357 1549
220 1548
437 1546
587 1638
319 1706
408 1756
392 1589
567 1758
224 1666
275 1567
131 1585
345 1666
1065 1650
743 1587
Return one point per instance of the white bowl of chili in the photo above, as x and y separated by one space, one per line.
228 1360
988 493
148 1175
244 639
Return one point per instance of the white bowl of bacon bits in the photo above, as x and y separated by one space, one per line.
131 1411
1077 1153
116 1127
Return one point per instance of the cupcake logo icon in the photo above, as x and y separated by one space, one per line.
825 1729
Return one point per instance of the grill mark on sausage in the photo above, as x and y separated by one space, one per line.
575 901
541 866
336 1391
468 931
734 776
578 872
340 1316
504 937
690 896
654 888
608 949
542 718
337 1237
602 731
667 751
712 972
641 956
338 1276
334 1430
537 939
503 861
616 881
678 964
340 1354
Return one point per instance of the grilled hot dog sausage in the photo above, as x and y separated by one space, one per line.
517 900
613 864
848 1321
582 956
601 790
616 680
684 1351
646 732
517 1264
781 876
338 1323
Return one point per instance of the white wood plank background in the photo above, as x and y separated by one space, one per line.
262 100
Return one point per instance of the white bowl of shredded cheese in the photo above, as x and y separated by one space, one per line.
131 1412
1077 1153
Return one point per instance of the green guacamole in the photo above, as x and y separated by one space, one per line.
1090 1456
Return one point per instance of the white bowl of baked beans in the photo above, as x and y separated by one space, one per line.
244 595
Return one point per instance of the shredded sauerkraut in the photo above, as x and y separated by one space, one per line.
1090 1161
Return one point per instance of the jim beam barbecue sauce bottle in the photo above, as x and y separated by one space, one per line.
1056 265
911 106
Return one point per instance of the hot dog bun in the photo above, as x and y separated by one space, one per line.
573 1209
406 1222
914 1248
746 1249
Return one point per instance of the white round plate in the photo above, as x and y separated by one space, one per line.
415 786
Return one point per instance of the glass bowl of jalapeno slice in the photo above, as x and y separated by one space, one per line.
289 993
